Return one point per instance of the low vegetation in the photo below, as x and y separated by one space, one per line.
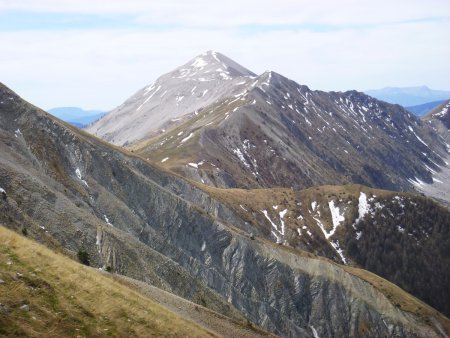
43 294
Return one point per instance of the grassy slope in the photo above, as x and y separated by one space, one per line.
69 299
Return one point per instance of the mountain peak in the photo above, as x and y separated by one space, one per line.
196 84
211 62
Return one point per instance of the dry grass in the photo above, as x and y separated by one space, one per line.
67 299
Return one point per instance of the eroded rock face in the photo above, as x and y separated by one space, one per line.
70 190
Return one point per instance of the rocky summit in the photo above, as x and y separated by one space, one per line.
188 88
77 194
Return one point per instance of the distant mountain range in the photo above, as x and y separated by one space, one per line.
423 109
409 96
76 116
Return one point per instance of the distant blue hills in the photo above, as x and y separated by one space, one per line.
409 96
423 109
76 116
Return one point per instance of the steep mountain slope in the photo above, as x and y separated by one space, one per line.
408 96
72 191
439 120
188 88
46 297
391 234
423 109
278 133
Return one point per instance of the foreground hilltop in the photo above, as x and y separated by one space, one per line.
214 121
55 296
72 191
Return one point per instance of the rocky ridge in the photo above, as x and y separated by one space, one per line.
268 131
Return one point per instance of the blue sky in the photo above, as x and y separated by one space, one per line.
96 53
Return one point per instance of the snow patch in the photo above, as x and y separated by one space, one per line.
275 232
314 331
417 136
199 63
164 159
78 173
187 138
98 241
241 157
282 213
336 217
363 206
417 182
107 220
148 98
196 165
335 245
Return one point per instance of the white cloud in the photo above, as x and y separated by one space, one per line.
100 68
232 12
